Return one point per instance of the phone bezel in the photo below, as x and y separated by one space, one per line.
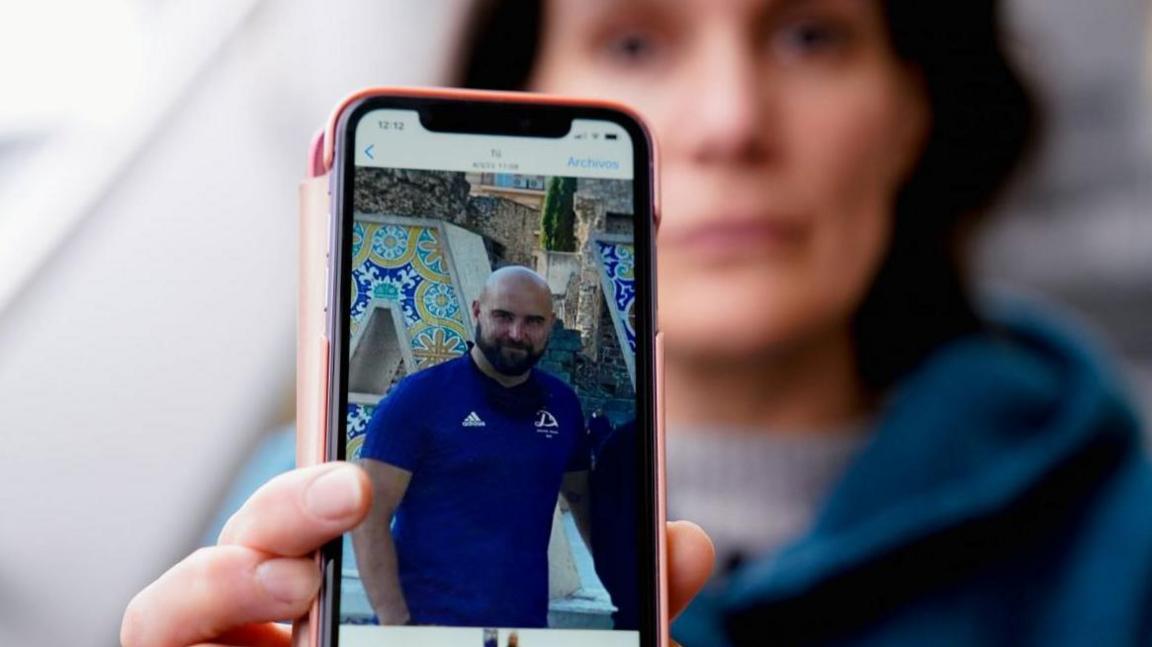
483 112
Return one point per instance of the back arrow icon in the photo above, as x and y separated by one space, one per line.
369 151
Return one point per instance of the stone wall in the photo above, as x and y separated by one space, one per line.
601 206
606 386
511 230
614 195
619 223
416 194
584 292
563 353
601 381
590 217
513 226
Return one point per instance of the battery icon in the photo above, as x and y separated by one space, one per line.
609 135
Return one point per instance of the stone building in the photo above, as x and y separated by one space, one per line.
528 190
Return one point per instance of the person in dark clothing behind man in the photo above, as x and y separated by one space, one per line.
466 461
615 509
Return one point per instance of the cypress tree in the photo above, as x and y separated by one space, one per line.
557 216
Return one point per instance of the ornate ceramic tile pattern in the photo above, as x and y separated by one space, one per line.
404 266
358 417
618 262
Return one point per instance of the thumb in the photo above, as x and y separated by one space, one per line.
690 560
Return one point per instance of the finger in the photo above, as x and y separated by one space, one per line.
297 512
216 590
690 560
257 635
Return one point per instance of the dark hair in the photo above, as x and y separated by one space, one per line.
984 122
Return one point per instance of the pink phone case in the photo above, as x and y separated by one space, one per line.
312 344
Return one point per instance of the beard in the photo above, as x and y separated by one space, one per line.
508 358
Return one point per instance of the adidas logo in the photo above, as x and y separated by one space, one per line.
472 420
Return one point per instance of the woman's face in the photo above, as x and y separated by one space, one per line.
785 129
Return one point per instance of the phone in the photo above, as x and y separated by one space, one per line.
490 356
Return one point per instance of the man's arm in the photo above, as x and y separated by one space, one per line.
576 492
373 545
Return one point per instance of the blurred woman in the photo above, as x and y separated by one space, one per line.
880 458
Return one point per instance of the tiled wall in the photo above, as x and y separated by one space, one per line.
405 266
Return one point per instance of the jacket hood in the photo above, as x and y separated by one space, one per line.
990 434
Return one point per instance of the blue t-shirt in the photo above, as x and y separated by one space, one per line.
487 461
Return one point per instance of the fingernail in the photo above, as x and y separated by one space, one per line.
336 494
289 580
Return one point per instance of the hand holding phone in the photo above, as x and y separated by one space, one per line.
261 571
219 594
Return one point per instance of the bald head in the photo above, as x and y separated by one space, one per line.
520 279
513 319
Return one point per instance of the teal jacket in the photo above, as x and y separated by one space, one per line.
1004 499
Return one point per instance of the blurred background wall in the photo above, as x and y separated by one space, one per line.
149 155
1078 231
147 269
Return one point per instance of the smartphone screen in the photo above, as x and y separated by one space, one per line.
493 375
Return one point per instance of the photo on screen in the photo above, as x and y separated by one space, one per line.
492 381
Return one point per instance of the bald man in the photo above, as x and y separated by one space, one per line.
467 459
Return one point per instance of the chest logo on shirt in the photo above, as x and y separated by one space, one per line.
472 420
546 423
